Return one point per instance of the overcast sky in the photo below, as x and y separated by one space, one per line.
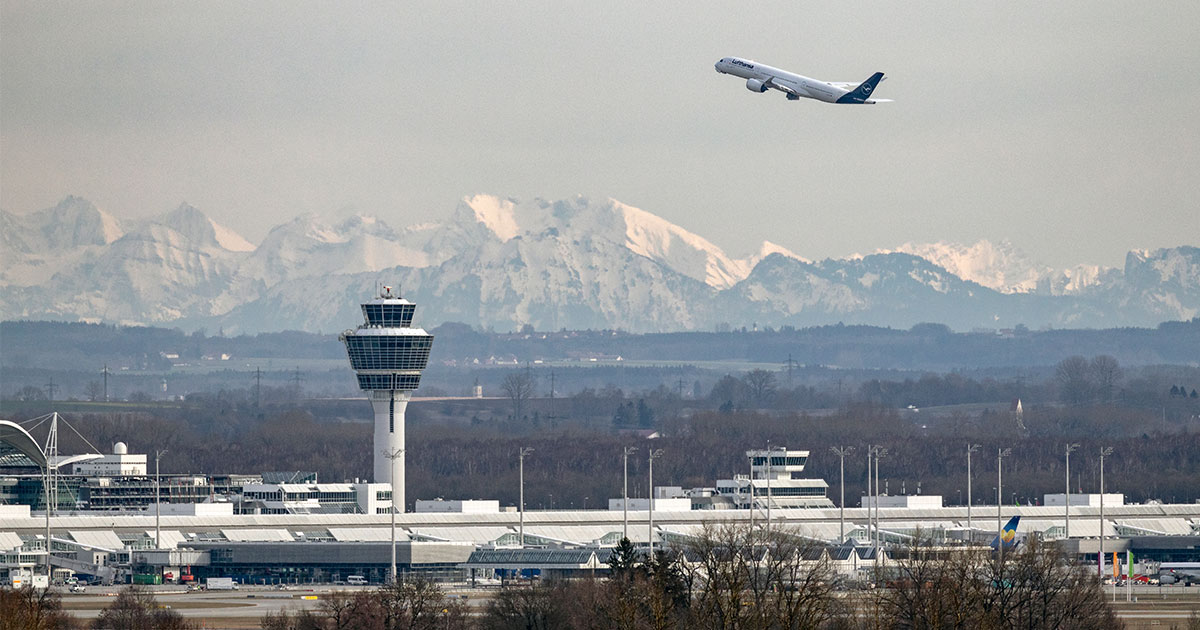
1069 128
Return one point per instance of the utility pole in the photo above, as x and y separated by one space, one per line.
296 380
50 387
1000 455
628 450
551 384
257 387
790 365
1067 497
842 452
524 450
1104 452
392 456
654 454
157 498
971 448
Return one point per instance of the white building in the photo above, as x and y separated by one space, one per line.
458 507
119 464
1083 500
316 498
912 502
775 481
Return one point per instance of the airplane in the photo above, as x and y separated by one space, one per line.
1008 534
760 78
1185 572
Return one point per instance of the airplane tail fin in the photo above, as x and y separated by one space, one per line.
1008 535
861 93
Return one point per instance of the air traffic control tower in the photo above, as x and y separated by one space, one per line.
388 355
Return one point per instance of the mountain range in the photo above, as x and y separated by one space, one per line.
574 263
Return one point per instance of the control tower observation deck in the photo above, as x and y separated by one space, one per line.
388 355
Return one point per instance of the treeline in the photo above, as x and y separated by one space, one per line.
133 608
575 464
736 578
923 347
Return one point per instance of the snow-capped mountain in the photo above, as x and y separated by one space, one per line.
572 263
1007 269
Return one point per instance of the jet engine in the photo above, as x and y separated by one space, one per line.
755 85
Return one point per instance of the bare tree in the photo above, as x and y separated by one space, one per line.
751 579
1106 374
518 386
94 391
136 609
761 385
1073 375
32 609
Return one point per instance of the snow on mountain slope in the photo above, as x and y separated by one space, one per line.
307 247
998 266
199 228
571 263
39 245
579 218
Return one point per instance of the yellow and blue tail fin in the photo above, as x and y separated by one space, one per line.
1008 535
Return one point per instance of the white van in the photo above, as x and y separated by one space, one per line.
356 580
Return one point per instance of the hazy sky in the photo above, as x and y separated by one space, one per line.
1069 128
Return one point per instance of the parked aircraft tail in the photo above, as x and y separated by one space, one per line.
1008 535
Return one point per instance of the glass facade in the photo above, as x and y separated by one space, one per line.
389 315
780 461
375 352
389 381
789 492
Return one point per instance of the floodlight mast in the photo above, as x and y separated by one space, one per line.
1067 497
971 448
521 453
1104 452
1000 455
628 450
654 454
842 452
392 456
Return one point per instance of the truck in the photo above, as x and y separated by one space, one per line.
220 584
147 578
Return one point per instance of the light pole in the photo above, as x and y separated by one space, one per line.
870 502
629 450
841 452
524 450
971 448
654 454
880 453
1104 452
1067 496
769 453
1000 455
392 456
157 501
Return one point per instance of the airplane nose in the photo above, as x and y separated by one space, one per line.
717 66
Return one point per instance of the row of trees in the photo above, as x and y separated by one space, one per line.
735 577
134 608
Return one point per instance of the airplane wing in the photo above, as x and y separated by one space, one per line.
771 83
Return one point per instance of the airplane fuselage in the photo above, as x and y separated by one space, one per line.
761 77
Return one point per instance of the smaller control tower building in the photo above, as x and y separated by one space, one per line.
388 355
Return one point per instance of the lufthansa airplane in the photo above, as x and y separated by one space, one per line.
760 78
